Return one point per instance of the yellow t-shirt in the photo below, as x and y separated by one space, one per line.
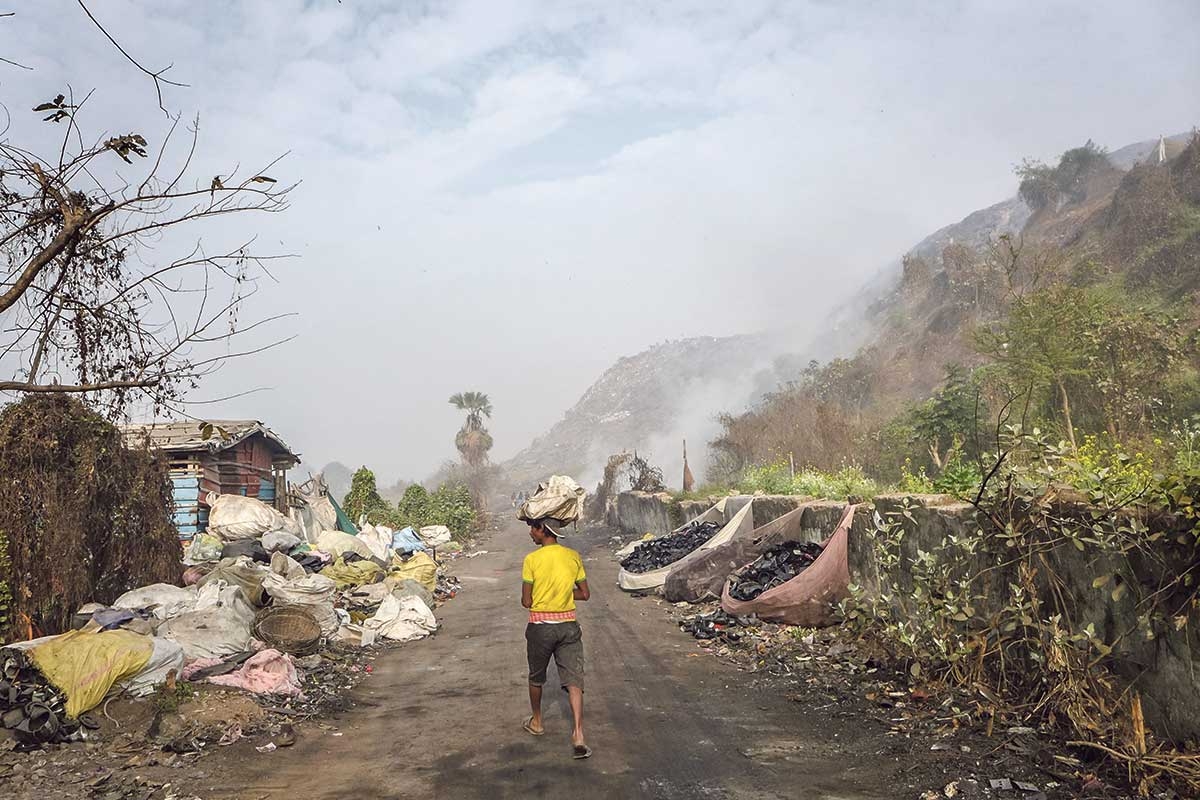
553 570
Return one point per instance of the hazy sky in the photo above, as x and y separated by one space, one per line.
507 195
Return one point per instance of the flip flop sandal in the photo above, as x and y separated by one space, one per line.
581 752
528 726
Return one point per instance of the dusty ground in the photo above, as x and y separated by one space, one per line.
441 718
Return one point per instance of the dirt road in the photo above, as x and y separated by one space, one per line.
442 718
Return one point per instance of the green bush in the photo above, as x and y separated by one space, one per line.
451 505
413 508
776 478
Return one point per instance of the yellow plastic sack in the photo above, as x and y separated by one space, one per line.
84 665
420 568
356 573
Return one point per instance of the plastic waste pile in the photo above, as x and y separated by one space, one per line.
718 624
665 550
261 596
775 567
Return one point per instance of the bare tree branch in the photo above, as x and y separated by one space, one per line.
157 76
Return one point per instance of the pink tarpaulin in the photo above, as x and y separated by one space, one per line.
808 598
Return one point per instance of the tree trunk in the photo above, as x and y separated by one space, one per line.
935 455
1066 409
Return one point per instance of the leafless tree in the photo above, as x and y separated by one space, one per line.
107 288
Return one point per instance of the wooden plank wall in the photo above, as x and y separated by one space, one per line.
251 469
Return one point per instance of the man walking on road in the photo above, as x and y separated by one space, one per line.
552 579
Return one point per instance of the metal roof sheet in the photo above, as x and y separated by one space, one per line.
187 435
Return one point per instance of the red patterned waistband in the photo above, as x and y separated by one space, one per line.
551 616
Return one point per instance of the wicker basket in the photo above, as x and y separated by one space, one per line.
290 629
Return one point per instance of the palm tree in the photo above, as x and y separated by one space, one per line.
473 441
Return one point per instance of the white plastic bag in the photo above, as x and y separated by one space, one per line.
204 547
234 517
402 620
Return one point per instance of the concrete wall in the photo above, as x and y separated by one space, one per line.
643 512
1164 669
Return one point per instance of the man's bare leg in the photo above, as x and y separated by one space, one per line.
575 697
535 705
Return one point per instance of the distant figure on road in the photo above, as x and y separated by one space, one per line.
552 579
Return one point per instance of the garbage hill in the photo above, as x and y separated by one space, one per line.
650 402
1122 229
917 311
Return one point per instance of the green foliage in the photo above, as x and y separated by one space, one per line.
1079 352
451 505
413 508
363 499
1042 185
84 518
776 478
958 477
914 482
773 478
997 606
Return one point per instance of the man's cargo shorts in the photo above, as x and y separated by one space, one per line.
564 641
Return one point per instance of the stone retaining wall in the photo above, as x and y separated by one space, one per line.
1163 669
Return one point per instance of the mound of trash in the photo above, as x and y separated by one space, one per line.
717 624
263 601
774 568
666 550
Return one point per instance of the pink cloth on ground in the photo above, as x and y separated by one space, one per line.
268 672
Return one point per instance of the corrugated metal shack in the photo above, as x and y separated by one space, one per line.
240 457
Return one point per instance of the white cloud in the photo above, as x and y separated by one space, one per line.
487 182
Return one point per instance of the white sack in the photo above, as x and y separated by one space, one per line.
165 600
559 498
277 541
337 543
167 656
216 631
233 517
402 620
368 594
379 542
434 535
313 592
286 566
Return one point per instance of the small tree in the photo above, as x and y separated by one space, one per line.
1045 344
473 440
945 423
363 498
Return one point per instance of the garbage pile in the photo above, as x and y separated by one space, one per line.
657 553
262 598
773 568
714 625
30 707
